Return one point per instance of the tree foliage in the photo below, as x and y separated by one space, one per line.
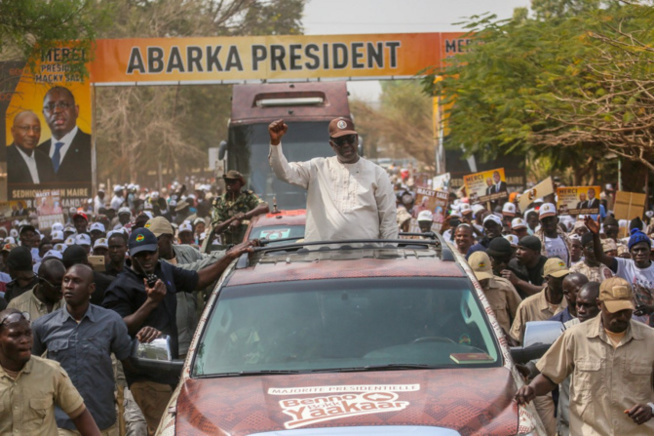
571 84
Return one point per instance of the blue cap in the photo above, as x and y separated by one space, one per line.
142 239
638 236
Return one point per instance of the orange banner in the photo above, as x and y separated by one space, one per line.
257 58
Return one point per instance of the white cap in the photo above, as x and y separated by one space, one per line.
97 226
455 214
61 247
53 253
185 227
476 208
100 243
118 188
57 227
465 208
518 223
13 233
83 239
199 220
508 208
57 235
425 215
124 209
547 209
492 217
147 212
70 241
513 239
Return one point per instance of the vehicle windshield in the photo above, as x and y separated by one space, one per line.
345 325
247 152
272 233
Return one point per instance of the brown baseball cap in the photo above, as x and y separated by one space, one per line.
159 226
234 175
340 127
616 294
555 267
481 265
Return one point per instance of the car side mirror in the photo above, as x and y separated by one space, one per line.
538 337
156 358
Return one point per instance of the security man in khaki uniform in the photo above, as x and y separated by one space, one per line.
500 293
612 364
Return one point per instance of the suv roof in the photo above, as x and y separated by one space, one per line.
312 261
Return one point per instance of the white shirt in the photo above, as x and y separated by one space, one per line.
116 202
97 204
344 201
555 247
31 164
67 139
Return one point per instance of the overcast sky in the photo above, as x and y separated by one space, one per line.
324 17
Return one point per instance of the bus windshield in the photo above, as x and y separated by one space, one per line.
247 152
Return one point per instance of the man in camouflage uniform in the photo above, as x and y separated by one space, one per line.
233 210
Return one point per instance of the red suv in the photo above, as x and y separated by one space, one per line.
354 338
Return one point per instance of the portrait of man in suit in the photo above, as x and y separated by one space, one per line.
25 163
69 148
581 204
498 184
593 202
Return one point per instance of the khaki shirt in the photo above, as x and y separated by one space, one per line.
27 404
533 308
504 300
605 381
28 302
593 273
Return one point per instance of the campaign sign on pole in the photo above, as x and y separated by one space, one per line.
578 200
434 201
48 208
542 189
629 205
486 186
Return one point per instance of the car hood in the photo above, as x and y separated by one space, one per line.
470 401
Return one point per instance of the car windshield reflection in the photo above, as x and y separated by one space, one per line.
345 325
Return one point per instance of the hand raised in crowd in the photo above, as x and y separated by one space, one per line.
276 130
147 334
156 293
640 413
593 226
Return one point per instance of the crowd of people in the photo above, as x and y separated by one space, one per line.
128 266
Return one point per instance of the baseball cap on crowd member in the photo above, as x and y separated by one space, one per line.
198 221
494 218
118 188
159 226
638 236
480 264
20 259
465 209
508 209
513 240
53 253
73 255
56 236
70 241
531 243
99 227
13 233
555 267
83 239
57 227
546 210
60 247
185 227
81 214
499 247
124 210
616 294
425 215
518 223
609 245
476 209
234 175
141 240
341 127
101 243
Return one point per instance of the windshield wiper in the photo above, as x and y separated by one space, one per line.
387 367
262 372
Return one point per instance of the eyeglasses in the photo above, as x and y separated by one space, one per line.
58 105
13 317
25 129
47 282
339 142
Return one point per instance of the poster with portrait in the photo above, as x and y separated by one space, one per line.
542 189
578 200
48 208
435 201
48 131
486 186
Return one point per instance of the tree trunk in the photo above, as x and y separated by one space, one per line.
634 175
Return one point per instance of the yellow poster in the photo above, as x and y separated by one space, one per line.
578 200
486 186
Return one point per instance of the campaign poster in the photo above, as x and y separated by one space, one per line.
48 208
436 202
541 190
578 200
11 211
48 130
486 186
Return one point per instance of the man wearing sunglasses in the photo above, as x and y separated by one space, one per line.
348 197
45 296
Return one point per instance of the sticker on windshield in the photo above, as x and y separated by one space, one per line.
350 401
275 234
